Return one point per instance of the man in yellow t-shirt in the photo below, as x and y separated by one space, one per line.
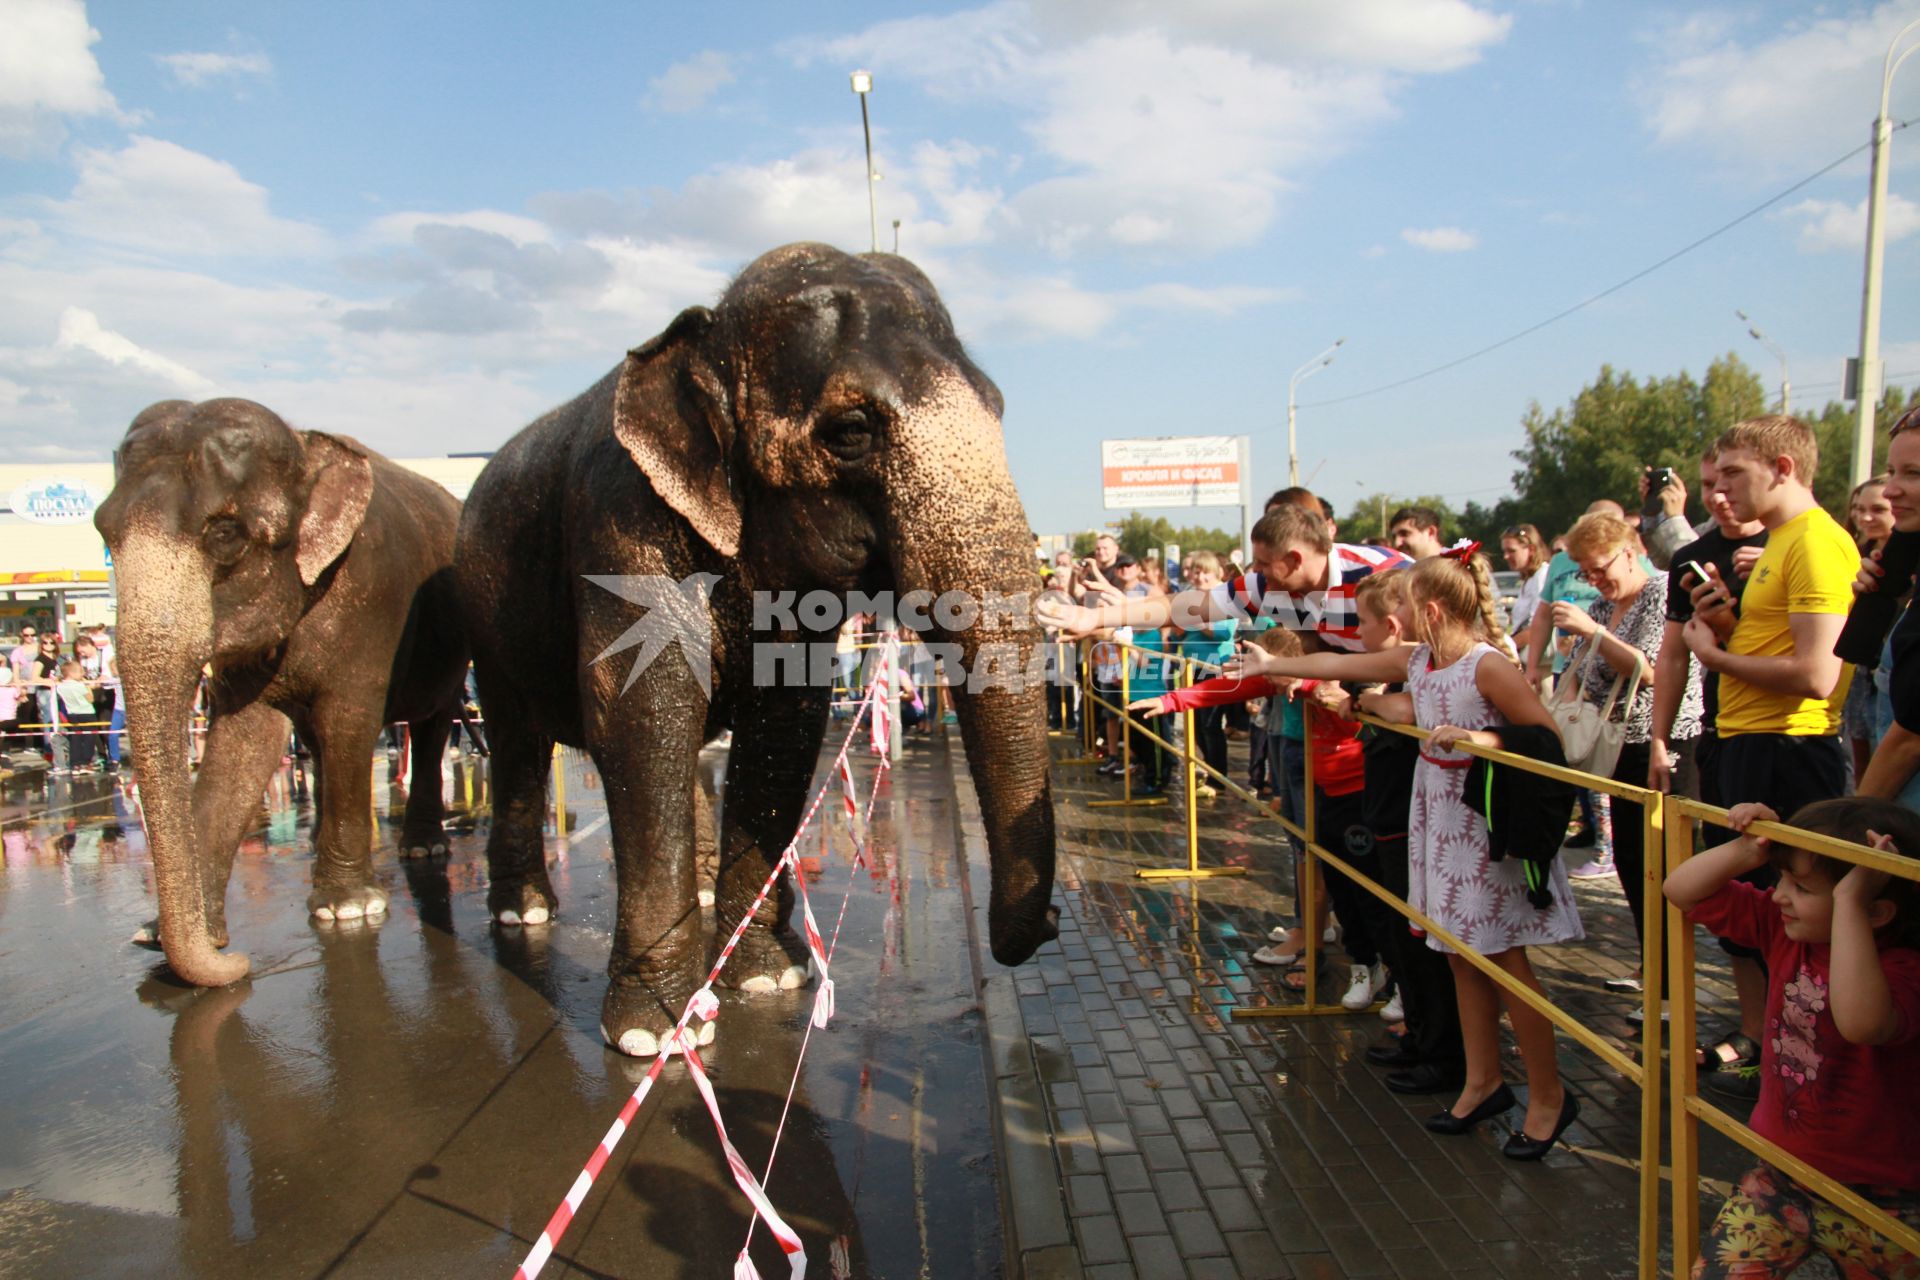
1808 567
1781 685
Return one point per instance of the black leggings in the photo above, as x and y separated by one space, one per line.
1629 843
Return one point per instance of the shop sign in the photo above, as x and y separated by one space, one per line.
57 501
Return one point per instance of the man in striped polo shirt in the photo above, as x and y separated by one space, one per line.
1301 578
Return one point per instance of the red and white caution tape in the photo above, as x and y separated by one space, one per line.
706 1006
743 1178
884 685
823 1010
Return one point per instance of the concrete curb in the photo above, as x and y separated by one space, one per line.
1033 1210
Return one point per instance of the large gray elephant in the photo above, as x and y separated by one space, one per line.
314 577
820 429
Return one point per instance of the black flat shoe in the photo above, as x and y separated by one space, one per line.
1497 1102
1521 1147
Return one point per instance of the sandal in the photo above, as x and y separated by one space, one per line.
1733 1052
1295 979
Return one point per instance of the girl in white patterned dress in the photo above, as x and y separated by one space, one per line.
1464 689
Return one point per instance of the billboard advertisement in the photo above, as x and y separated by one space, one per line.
1174 471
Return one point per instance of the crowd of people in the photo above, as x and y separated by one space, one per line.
1706 655
62 701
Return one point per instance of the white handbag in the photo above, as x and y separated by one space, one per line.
1589 735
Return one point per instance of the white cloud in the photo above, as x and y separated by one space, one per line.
1777 103
1830 225
1163 124
197 70
400 228
1041 308
1373 252
686 86
1441 239
47 71
80 331
157 196
1397 35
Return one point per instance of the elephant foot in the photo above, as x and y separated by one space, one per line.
766 961
422 835
347 904
640 1024
639 1043
425 844
148 935
524 904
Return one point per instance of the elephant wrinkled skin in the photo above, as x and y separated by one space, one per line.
821 428
315 578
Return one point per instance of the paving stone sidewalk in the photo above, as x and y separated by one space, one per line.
1145 1134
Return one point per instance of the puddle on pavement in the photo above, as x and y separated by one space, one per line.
416 1095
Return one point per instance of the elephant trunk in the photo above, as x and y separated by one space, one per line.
971 544
165 639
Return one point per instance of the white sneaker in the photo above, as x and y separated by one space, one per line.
1365 981
1395 1011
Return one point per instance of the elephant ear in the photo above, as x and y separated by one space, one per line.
670 414
339 479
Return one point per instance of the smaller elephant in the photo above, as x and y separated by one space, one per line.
312 577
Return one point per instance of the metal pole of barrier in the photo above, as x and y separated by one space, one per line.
1127 797
1653 914
1685 1075
1190 775
1089 751
1310 872
1193 870
559 792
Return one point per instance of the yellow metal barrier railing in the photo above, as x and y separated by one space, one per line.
1688 1106
1668 824
1643 1076
1648 1081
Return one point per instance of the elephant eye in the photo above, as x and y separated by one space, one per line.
225 539
848 435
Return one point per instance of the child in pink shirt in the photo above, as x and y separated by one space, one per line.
1842 1049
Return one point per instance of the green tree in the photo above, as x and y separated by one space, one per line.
1139 534
1364 521
1598 446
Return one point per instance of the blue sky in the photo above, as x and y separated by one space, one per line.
1144 217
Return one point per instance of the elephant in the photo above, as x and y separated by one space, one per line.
314 578
820 428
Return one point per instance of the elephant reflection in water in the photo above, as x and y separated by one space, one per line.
298 1149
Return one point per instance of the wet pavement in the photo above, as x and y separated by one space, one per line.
414 1097
1151 1135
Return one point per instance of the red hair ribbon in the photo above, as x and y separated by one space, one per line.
1462 550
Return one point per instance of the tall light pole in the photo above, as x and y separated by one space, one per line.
1867 375
896 237
1300 375
862 86
1779 353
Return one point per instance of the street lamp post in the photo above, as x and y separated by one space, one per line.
862 86
1867 376
1383 509
1779 353
896 237
1300 375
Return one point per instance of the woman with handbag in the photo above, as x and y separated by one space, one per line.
1604 703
